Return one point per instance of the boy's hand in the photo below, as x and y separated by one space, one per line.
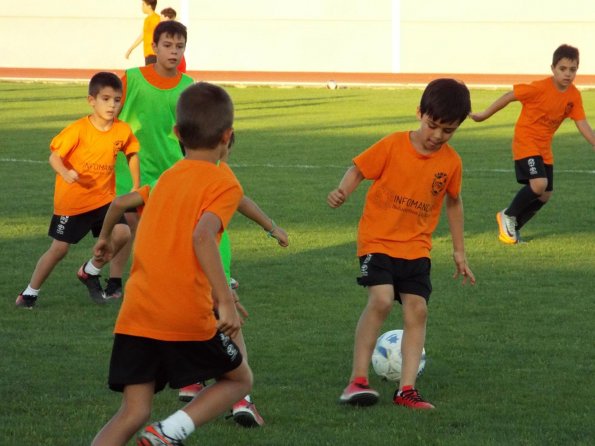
103 249
280 235
336 198
70 176
229 321
241 310
462 268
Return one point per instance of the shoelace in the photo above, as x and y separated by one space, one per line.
412 395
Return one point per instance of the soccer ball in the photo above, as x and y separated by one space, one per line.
387 358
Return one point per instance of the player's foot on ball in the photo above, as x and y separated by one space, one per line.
25 301
410 397
506 228
91 281
188 393
359 393
153 436
245 414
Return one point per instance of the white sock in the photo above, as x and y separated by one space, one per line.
92 269
178 426
31 291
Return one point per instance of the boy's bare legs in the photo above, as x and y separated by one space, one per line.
120 260
415 315
47 262
380 303
133 414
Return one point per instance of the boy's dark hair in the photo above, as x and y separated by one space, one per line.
104 79
204 112
171 28
446 100
565 51
151 3
170 13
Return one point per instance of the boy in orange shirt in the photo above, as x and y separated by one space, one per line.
166 331
83 157
412 172
546 103
146 36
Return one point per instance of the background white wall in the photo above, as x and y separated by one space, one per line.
409 36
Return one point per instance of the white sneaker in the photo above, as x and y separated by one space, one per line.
507 228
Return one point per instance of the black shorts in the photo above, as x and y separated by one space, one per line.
72 229
533 167
150 59
406 276
138 360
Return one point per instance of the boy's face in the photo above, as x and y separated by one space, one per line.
146 8
433 134
564 73
169 50
107 103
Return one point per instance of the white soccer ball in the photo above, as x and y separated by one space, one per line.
331 85
387 358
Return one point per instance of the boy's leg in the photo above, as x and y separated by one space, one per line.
120 260
133 414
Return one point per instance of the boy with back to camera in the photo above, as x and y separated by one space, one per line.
546 103
412 172
83 157
151 21
166 331
149 104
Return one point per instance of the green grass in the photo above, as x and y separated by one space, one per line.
510 361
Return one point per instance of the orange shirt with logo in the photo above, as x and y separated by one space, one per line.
168 296
92 154
404 202
544 109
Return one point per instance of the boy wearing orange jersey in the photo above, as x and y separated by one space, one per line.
546 103
151 21
412 172
166 331
83 157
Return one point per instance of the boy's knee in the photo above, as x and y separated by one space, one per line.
538 186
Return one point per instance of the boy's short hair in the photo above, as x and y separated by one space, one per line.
204 112
151 3
104 79
170 27
565 51
170 13
446 100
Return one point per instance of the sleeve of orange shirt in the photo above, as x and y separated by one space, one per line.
372 161
66 141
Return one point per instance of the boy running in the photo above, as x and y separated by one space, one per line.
83 157
412 172
546 104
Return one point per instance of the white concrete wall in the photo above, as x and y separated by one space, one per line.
410 36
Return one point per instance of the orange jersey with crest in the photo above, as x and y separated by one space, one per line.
92 154
544 109
168 295
403 203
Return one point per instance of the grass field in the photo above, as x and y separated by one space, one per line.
510 361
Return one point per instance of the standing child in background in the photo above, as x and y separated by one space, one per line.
166 331
146 36
83 157
412 172
149 104
170 14
546 103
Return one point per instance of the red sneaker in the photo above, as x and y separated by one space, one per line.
153 436
188 393
245 414
359 394
410 397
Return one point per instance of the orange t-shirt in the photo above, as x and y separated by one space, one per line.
168 296
544 109
404 201
149 25
92 154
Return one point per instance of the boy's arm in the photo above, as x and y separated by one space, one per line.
69 175
207 253
352 178
248 208
454 213
134 166
497 105
103 248
585 129
136 43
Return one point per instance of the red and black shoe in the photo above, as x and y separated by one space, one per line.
359 393
410 397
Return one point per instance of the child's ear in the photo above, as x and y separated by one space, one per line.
226 139
177 133
418 113
154 46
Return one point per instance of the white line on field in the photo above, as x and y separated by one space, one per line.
312 166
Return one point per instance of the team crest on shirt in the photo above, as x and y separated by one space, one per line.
118 146
439 183
568 108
